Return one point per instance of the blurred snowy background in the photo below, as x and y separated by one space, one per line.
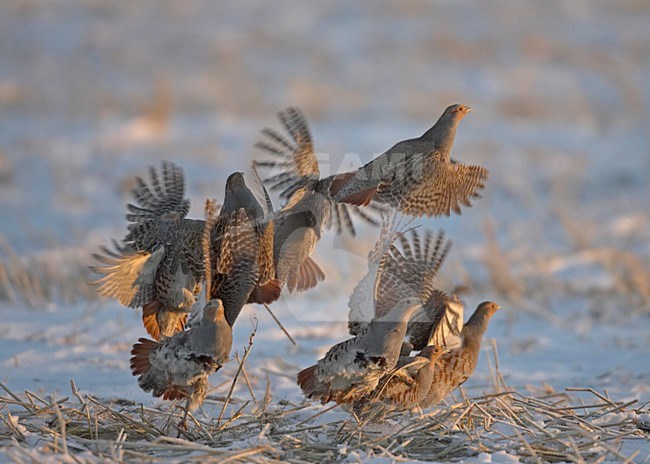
93 92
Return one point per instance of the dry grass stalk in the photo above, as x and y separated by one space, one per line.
544 427
247 351
248 382
277 321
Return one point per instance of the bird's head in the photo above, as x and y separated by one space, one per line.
213 310
433 352
488 308
457 112
235 181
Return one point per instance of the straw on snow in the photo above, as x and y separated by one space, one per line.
544 426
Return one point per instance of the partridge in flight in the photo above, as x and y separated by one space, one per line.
162 254
418 176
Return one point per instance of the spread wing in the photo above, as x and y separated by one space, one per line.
159 240
433 187
361 302
296 167
260 192
411 271
447 329
439 322
127 274
157 206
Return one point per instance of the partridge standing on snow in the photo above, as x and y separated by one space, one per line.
405 386
417 176
178 368
352 369
439 321
464 343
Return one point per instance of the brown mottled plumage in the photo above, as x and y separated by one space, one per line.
238 195
162 254
455 367
405 386
179 366
352 369
418 176
235 273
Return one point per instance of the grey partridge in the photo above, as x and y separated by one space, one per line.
162 255
352 369
456 366
178 367
405 386
417 176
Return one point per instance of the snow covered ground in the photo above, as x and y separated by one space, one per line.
94 92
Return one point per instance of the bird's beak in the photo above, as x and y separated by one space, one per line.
469 109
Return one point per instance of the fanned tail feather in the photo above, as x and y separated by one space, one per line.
140 361
307 276
150 319
266 293
311 387
174 392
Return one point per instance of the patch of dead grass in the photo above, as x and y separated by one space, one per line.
539 425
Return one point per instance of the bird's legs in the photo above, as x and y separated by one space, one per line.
182 425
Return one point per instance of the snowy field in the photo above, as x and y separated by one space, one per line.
94 92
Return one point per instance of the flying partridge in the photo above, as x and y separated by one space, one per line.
308 210
180 365
298 229
418 176
235 271
352 369
162 255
